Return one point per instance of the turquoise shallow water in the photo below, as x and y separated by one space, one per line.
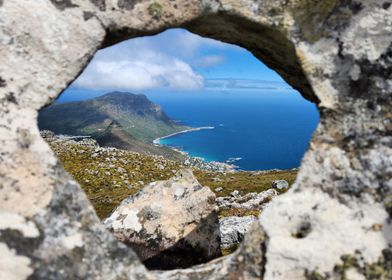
262 130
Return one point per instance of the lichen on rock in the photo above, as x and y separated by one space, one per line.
169 224
336 53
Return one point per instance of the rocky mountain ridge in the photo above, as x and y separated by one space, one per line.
116 119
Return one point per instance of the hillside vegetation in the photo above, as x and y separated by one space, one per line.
117 119
109 175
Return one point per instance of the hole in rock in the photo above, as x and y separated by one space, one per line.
303 230
179 142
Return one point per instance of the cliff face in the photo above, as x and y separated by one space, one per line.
336 220
134 113
117 119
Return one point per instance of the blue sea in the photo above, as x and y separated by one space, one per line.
255 130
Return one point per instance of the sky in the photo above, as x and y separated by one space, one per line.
176 60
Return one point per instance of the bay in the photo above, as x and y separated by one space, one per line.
255 130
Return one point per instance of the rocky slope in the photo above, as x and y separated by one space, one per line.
109 175
174 223
116 119
161 210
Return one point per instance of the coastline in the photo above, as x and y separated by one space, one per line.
156 141
198 162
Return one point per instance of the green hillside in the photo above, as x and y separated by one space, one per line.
110 175
117 119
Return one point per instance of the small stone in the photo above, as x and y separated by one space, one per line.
121 170
235 193
280 185
232 229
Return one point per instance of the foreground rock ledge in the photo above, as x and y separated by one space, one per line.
336 53
170 224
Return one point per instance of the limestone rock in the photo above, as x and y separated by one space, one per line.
249 201
169 223
245 263
337 54
280 185
232 229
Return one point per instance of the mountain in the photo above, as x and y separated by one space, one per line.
116 119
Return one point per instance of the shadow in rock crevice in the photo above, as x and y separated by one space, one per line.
199 246
247 262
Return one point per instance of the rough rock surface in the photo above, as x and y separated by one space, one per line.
280 185
249 201
232 229
336 53
170 223
245 263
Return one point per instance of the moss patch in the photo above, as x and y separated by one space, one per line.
230 250
155 10
238 212
382 269
311 15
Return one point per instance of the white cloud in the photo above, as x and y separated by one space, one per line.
164 60
188 44
146 70
245 84
210 61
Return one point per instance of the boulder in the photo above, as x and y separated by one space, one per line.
169 223
246 263
280 185
250 201
233 229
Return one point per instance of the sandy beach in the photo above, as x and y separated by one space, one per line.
156 141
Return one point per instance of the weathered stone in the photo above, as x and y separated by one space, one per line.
250 201
280 185
100 4
169 223
336 53
245 263
233 229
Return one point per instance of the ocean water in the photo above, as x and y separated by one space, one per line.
255 130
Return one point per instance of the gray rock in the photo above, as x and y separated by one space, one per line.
280 185
235 193
121 170
218 189
245 263
46 134
168 220
250 201
335 53
233 229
